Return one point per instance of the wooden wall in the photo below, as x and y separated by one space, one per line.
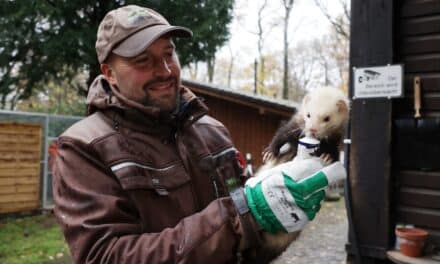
417 192
20 152
251 130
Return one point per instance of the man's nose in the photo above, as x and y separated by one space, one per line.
162 69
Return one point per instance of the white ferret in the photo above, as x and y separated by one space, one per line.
323 114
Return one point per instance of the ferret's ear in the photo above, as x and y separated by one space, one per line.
305 100
342 106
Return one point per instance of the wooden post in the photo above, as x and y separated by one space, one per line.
369 154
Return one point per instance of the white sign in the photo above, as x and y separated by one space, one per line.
373 82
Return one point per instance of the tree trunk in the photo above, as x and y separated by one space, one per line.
3 101
210 64
260 84
288 4
93 73
231 66
262 77
255 76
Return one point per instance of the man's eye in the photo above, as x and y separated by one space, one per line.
142 61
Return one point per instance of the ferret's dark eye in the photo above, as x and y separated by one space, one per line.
308 115
326 119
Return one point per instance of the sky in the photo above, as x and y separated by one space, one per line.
306 22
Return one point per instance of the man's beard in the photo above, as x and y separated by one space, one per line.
165 104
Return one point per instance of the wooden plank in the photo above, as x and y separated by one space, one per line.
420 25
12 132
18 206
430 102
430 83
19 125
433 236
20 172
419 197
12 189
419 179
19 197
22 148
22 130
420 44
412 8
429 63
18 165
20 156
18 138
19 180
418 216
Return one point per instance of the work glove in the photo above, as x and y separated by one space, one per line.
288 196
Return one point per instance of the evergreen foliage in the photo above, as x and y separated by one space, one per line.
43 41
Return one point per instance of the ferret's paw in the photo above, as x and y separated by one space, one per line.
326 159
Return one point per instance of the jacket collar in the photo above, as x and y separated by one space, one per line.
127 113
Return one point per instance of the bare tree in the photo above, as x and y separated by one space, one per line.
210 64
341 22
262 33
231 65
259 73
288 5
193 70
304 69
338 38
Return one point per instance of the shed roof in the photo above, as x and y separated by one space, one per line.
262 103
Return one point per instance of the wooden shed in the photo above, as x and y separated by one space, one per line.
394 168
20 151
251 120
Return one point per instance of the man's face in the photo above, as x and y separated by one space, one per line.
151 78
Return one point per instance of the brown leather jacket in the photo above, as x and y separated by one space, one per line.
132 185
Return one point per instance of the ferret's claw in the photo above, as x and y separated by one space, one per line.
326 159
267 155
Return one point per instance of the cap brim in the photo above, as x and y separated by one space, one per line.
139 41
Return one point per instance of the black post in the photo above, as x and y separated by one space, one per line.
369 155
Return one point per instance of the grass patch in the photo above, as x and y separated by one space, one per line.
32 240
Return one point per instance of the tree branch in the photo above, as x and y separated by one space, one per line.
337 25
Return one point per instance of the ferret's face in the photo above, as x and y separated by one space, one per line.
322 117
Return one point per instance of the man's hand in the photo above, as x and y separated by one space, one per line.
287 198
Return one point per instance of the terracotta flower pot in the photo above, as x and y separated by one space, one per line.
412 241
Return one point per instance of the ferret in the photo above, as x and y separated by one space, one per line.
323 114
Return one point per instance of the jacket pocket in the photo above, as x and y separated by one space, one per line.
133 175
162 195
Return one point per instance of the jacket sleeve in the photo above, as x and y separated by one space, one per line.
101 225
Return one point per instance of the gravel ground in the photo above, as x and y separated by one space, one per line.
323 240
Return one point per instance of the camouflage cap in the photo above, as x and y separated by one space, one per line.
129 30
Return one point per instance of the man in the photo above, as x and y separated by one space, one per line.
145 178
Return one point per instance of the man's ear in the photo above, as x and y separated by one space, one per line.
109 73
